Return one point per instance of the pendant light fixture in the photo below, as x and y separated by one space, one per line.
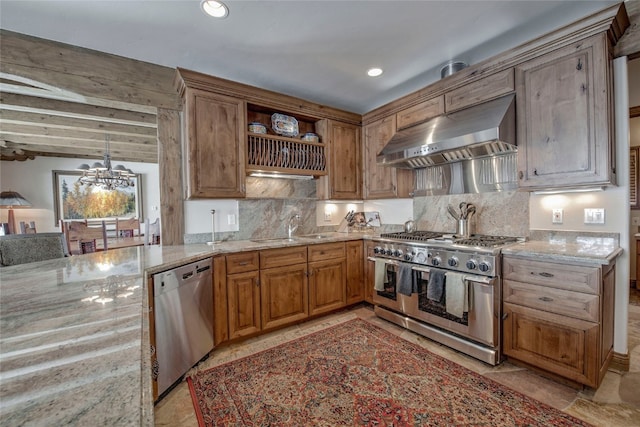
103 176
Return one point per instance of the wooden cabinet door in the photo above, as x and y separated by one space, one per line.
345 171
562 345
327 285
564 111
369 272
355 272
284 295
215 145
383 182
243 302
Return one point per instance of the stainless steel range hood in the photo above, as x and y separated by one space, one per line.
487 129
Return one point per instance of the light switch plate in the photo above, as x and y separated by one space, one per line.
594 216
556 217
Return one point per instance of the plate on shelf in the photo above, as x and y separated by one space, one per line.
284 125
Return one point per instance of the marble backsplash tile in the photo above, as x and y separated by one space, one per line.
498 213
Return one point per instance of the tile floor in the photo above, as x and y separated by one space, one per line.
616 403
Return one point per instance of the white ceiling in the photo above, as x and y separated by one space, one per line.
316 50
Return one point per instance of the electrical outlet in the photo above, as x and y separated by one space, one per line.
635 220
594 216
231 219
327 216
556 216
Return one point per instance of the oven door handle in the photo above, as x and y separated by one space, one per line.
469 277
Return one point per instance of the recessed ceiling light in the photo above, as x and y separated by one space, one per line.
374 72
217 9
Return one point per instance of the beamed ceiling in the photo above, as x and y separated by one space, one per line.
39 121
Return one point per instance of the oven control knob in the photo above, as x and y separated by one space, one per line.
484 266
397 253
436 260
408 257
378 250
472 264
453 261
387 251
420 258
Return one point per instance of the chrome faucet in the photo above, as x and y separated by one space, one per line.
294 222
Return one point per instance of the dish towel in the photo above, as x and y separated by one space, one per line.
405 279
380 275
457 302
436 285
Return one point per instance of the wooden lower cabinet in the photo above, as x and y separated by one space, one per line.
327 277
284 295
261 290
243 301
558 317
355 271
243 294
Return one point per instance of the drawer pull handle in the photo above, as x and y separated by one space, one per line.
243 263
543 274
545 299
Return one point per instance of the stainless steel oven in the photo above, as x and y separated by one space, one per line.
470 262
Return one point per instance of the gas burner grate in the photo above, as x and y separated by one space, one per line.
485 241
416 236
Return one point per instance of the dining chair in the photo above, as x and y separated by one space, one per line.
127 227
83 239
28 228
18 249
152 232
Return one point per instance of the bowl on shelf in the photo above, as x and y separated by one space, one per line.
257 127
310 136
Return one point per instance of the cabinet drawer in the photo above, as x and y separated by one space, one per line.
420 113
284 256
482 90
326 251
242 262
562 276
567 303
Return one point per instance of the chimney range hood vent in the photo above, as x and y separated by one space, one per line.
487 129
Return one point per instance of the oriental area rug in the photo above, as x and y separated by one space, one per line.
356 374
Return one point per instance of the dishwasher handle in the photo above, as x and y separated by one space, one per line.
171 280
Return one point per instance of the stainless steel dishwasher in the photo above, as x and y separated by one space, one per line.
183 305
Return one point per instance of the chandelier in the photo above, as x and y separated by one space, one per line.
102 175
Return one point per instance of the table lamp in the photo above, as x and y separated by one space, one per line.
10 200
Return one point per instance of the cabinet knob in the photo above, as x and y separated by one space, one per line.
520 174
579 66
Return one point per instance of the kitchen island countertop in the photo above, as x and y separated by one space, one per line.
74 335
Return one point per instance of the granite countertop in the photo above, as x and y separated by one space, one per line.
582 250
74 333
74 344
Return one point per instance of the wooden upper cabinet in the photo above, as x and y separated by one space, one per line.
383 182
344 180
487 88
564 110
215 145
420 113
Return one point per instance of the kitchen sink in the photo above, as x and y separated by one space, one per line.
274 240
316 236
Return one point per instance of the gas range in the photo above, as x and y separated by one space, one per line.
476 254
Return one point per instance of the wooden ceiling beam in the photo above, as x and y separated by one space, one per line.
60 137
78 152
87 72
15 102
51 121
